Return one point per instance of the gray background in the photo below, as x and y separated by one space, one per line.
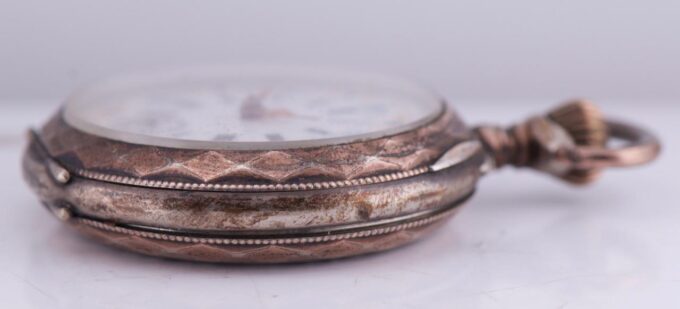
467 49
524 241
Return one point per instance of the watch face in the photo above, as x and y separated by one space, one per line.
250 108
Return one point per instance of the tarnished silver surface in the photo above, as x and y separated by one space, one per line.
300 223
100 158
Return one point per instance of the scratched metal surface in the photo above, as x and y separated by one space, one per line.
524 240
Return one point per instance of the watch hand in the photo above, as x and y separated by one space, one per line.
253 109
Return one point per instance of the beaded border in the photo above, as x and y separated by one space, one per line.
196 186
264 241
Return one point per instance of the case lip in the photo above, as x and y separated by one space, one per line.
389 158
457 154
277 237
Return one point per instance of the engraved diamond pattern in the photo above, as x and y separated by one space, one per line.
80 151
260 253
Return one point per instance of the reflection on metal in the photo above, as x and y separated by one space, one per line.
457 154
60 174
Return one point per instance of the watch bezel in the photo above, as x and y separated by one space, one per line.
71 117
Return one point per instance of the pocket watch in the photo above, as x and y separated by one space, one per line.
271 165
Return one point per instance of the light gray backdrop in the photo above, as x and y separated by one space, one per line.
467 49
525 241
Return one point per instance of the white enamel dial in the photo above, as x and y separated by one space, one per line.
237 108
